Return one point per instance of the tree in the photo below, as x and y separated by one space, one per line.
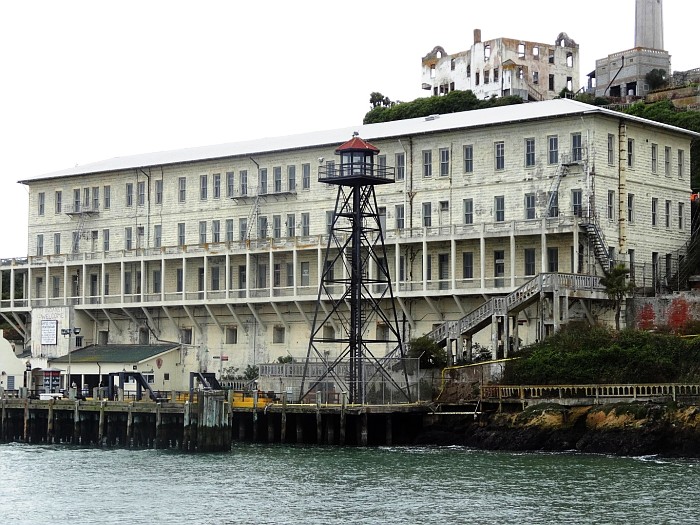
378 100
251 372
617 287
428 352
656 78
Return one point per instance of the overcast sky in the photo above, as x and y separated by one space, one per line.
87 81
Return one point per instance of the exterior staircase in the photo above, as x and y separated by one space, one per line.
600 247
513 303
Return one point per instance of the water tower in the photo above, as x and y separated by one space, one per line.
355 315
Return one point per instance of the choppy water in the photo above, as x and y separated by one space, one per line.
286 484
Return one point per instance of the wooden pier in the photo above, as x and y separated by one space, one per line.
208 423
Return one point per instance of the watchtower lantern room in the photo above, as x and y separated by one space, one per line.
358 165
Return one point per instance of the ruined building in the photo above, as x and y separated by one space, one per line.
622 74
505 66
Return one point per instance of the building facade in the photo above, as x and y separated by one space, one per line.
220 249
504 66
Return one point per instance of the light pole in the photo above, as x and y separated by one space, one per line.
67 332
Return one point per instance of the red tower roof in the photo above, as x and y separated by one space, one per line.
356 144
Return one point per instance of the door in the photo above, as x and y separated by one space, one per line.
499 267
443 270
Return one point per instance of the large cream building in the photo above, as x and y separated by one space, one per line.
219 249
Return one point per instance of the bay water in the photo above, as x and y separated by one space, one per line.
286 484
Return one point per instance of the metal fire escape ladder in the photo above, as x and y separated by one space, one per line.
253 216
600 247
562 170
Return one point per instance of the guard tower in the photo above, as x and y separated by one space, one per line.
360 321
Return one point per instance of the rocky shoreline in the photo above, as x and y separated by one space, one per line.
629 429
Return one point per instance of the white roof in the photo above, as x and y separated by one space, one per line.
415 126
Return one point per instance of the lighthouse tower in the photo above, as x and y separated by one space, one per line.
355 343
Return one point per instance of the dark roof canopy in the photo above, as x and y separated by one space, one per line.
357 144
116 353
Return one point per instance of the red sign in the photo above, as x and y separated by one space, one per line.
224 358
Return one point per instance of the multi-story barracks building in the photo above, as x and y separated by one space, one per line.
217 251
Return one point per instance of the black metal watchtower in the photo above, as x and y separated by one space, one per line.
360 321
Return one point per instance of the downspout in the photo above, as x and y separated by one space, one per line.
622 188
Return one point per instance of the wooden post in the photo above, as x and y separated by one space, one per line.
129 425
76 422
49 423
159 428
187 430
101 425
283 423
319 428
2 423
26 420
389 430
341 437
363 429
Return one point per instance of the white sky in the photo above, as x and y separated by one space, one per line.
82 81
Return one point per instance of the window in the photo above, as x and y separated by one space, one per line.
182 189
630 153
444 205
529 261
86 198
242 229
551 56
40 244
400 166
467 265
215 231
215 278
305 219
179 280
202 232
468 158
186 336
128 238
231 335
277 226
181 234
551 82
291 178
529 205
291 225
529 153
428 270
427 212
611 149
105 240
399 212
306 176
553 142
58 196
668 214
156 281
680 215
553 200
500 155
329 220
262 181
468 211
56 243
427 163
576 147
553 259
203 186
444 162
42 202
129 194
230 184
477 77
667 161
304 273
229 230
495 74
654 158
55 286
290 274
141 190
278 334
654 210
277 179
630 207
381 165
577 202
244 182
680 164
611 205
216 183
76 200
499 208
127 282
535 77
157 236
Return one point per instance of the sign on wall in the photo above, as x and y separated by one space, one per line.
49 332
